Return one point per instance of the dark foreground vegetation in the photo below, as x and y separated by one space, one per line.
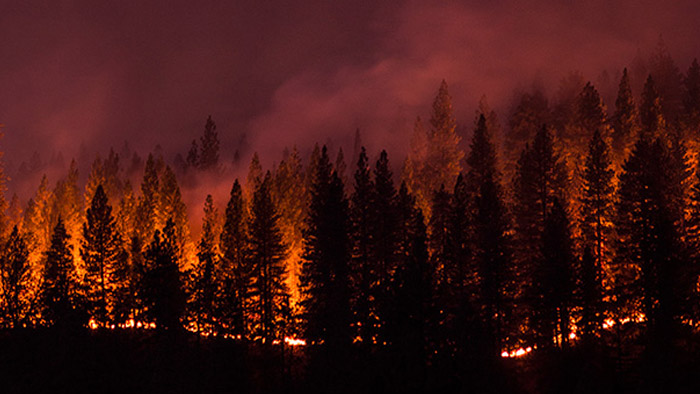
136 361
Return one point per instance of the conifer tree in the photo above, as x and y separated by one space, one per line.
597 205
236 265
437 161
148 207
649 241
327 252
625 121
554 278
173 207
540 178
650 112
58 286
192 160
361 214
530 114
668 81
102 253
267 253
384 226
254 178
491 229
163 295
444 156
291 199
16 277
205 274
37 221
209 155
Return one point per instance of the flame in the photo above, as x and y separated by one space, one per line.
517 352
294 341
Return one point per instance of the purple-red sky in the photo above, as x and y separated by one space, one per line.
99 73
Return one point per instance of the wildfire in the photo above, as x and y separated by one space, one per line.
516 353
294 341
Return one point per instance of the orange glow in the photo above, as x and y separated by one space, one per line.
294 341
517 352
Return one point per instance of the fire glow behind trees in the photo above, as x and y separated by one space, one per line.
567 239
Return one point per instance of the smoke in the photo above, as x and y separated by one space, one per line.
278 75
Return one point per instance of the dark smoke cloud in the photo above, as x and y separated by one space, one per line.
286 73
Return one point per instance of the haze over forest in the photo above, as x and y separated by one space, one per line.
81 77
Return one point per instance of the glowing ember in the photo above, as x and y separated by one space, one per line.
294 341
517 353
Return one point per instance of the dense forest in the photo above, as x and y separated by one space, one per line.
565 239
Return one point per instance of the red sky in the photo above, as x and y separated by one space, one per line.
290 73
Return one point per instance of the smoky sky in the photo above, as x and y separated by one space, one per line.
285 73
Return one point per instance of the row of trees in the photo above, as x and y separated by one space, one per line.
465 255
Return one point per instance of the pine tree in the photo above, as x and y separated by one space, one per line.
530 114
163 294
205 274
491 229
649 240
58 288
173 207
37 221
384 226
291 199
554 278
413 165
327 252
650 113
625 121
668 81
209 156
443 155
540 178
590 111
192 160
101 251
597 204
597 209
148 203
361 214
267 253
435 159
236 265
16 278
255 174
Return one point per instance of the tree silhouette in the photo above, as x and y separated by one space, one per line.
236 265
491 234
163 294
102 253
324 281
16 281
61 306
267 253
625 122
362 213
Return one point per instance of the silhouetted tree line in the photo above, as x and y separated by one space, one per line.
584 232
